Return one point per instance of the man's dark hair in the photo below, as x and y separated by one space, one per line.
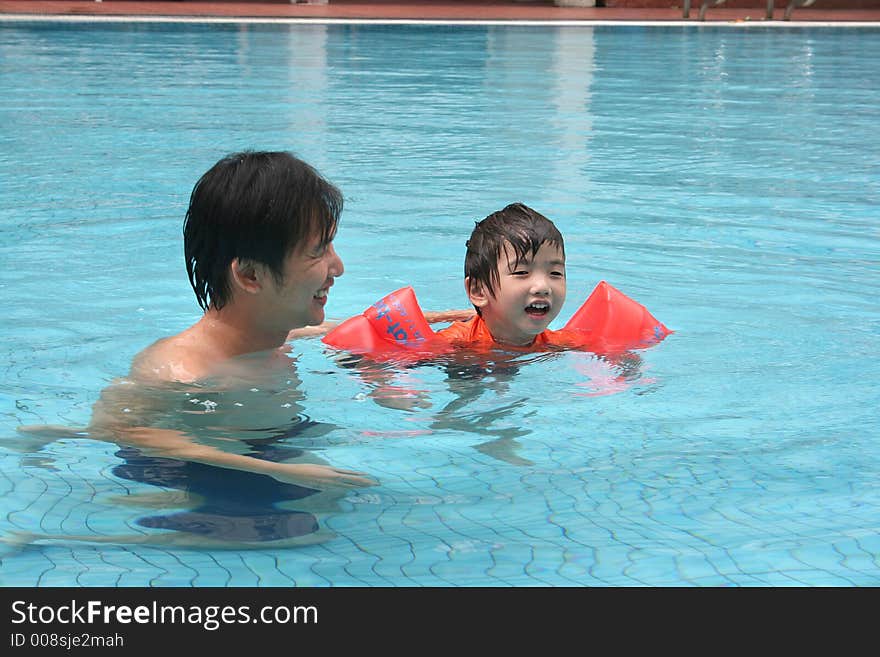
518 225
256 206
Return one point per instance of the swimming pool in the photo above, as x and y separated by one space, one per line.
726 177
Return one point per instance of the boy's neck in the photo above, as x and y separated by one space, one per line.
504 342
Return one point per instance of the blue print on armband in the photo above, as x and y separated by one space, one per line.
393 311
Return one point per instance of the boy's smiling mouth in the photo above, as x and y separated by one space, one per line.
538 309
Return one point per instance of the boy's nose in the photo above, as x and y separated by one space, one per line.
541 285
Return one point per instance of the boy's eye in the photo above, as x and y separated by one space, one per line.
560 274
520 272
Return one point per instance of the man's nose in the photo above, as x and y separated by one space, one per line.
336 266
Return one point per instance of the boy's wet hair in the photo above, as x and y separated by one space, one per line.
518 225
254 206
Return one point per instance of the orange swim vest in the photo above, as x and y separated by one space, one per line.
607 322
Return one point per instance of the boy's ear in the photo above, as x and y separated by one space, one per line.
476 292
245 275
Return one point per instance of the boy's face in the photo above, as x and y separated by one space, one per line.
529 295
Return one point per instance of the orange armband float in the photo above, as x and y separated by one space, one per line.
395 324
610 321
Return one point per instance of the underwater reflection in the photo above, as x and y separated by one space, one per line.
235 505
472 375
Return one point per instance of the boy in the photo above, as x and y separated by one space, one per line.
515 278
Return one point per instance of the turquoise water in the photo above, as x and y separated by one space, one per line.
726 177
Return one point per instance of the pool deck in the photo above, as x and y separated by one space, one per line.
428 10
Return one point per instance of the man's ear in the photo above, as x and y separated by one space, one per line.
476 292
246 275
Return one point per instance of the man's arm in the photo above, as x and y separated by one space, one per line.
122 415
175 444
433 317
311 331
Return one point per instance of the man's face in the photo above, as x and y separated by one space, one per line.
308 275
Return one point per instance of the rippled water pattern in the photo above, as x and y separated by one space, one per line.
728 178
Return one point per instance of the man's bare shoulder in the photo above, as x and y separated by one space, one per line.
173 359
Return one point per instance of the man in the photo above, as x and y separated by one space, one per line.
258 243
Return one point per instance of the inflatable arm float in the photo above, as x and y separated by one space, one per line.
608 321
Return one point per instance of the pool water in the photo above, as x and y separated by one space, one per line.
727 177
